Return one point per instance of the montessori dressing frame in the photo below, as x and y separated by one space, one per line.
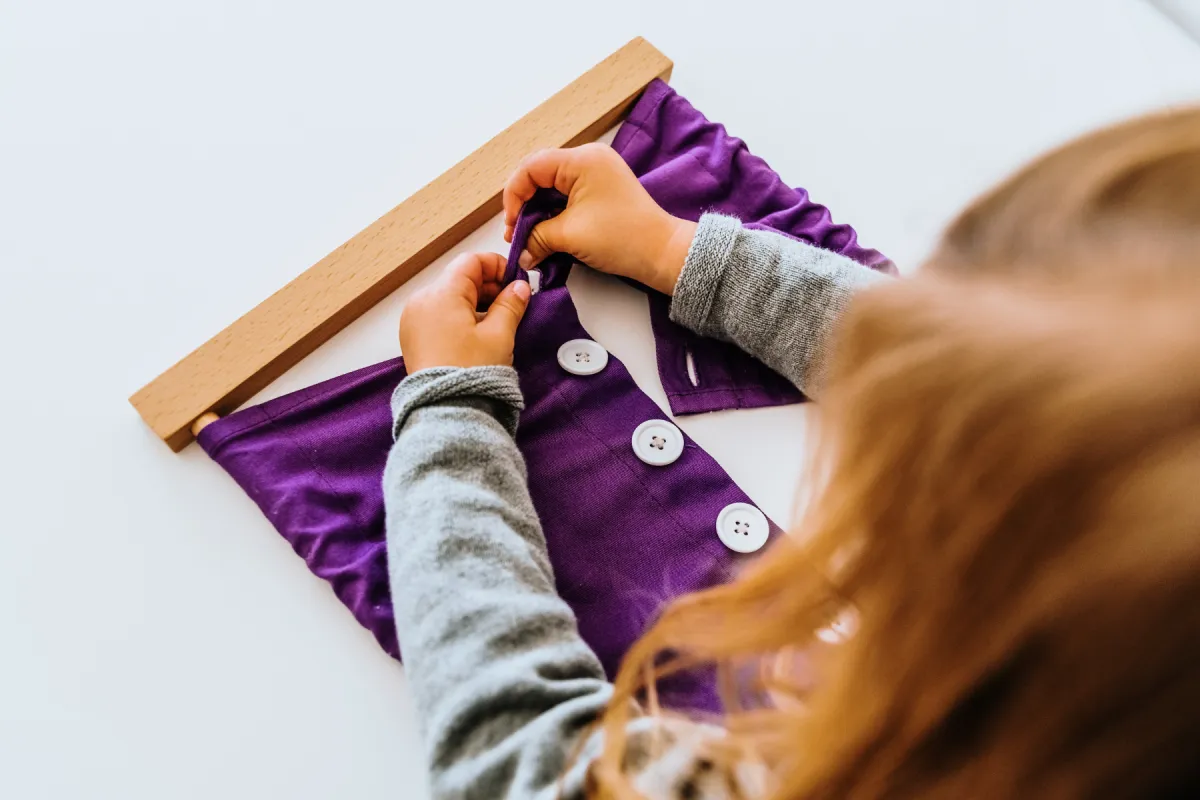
231 367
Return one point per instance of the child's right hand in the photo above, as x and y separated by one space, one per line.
611 223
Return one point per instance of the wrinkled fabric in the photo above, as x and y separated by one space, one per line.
691 166
624 537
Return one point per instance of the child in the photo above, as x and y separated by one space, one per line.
1008 514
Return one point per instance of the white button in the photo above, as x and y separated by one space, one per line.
657 442
582 357
742 527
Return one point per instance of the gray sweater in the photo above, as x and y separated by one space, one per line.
504 685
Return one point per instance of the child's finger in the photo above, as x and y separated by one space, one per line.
544 240
467 275
542 170
505 313
518 189
488 292
479 268
492 266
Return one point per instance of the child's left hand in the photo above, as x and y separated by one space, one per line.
440 326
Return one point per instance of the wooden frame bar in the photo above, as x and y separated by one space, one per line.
231 367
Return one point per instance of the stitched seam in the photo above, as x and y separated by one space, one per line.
712 174
702 391
638 122
308 400
620 458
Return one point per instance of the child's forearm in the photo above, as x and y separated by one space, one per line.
502 680
774 297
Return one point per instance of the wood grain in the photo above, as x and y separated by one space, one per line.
261 345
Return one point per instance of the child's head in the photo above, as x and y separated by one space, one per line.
1124 198
1009 500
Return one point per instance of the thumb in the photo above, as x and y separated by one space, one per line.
505 312
545 239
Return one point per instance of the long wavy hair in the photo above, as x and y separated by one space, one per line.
1004 527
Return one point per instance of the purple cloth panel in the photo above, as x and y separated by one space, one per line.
691 166
624 537
313 462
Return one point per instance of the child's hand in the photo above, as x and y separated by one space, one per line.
441 328
610 222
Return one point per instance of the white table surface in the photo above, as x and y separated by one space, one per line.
165 166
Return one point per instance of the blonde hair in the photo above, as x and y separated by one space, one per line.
1008 502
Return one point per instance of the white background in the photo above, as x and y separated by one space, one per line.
165 166
1185 12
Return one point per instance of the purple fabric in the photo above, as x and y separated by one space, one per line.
691 166
545 204
624 537
313 462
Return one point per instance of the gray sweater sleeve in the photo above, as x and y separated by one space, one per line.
505 687
502 681
774 297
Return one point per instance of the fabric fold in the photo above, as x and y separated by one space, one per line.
691 166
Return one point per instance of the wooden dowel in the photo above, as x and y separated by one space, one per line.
231 367
206 419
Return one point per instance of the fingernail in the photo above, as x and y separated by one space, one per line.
521 289
525 260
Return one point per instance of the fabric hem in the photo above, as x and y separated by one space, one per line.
251 417
657 90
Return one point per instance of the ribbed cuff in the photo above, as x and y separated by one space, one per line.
495 389
703 270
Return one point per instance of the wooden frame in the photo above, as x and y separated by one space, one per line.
231 367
